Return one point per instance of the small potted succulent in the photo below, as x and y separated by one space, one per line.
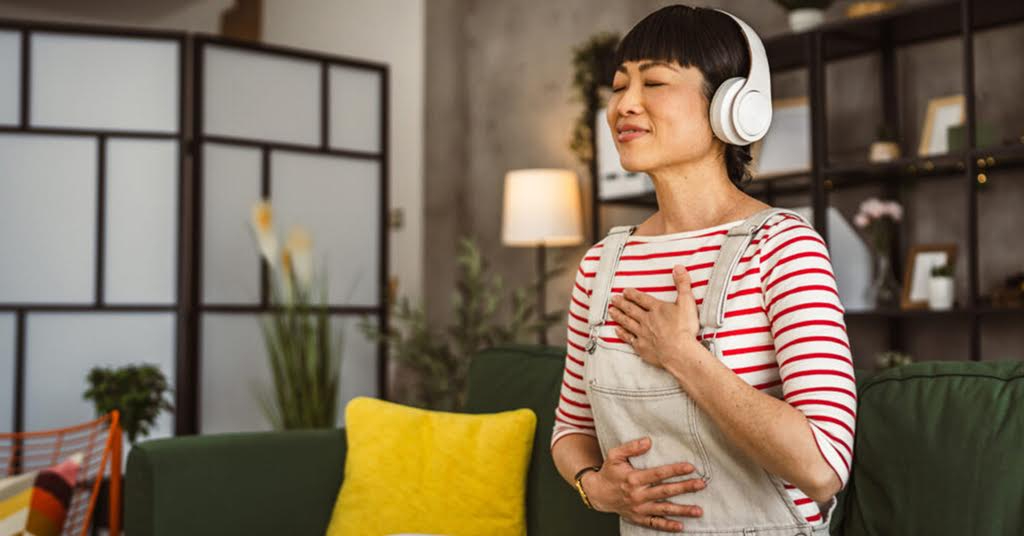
940 287
892 358
805 14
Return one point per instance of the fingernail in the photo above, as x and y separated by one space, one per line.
677 269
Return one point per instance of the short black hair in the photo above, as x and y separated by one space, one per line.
698 37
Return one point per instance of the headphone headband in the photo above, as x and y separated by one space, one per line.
741 110
759 77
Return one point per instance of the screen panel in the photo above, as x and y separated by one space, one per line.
358 363
337 199
260 96
61 348
231 185
10 77
48 218
104 82
355 109
141 221
7 347
235 370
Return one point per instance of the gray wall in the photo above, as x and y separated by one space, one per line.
498 97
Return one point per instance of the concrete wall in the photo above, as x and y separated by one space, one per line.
499 97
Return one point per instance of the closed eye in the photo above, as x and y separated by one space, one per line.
652 84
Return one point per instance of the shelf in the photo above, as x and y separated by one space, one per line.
905 25
911 313
936 314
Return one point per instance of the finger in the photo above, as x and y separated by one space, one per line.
664 491
624 335
629 449
630 309
665 508
657 474
654 521
642 299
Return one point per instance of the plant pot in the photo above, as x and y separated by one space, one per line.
805 18
884 151
940 293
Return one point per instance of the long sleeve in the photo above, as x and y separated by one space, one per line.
812 348
572 415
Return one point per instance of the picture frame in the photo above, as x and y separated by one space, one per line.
786 148
920 260
942 113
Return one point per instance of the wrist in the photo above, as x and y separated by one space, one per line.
578 481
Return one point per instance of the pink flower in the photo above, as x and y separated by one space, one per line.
861 220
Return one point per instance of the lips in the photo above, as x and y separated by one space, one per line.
629 134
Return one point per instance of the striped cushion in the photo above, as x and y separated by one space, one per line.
36 503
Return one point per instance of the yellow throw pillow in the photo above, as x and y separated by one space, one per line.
412 470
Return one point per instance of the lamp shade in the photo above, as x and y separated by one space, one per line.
542 207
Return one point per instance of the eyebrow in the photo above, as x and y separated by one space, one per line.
646 65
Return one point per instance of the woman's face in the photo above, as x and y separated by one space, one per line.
667 101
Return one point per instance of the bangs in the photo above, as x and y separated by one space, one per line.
691 36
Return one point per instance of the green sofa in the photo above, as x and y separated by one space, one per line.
938 451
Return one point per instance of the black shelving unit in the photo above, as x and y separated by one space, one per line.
883 34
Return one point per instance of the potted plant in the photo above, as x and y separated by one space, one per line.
136 391
879 220
440 361
885 147
892 358
940 287
805 14
303 358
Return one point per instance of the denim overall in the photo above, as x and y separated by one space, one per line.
630 399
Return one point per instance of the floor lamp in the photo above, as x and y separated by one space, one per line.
541 209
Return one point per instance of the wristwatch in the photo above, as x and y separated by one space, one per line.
579 484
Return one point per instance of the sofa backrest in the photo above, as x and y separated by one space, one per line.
938 450
529 376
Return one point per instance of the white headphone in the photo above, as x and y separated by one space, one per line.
741 109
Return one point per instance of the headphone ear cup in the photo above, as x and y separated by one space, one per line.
721 111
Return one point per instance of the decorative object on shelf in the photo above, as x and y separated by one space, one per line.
541 209
786 148
592 70
1009 292
886 146
879 219
304 360
135 391
864 8
440 361
920 261
892 358
984 136
942 113
851 257
805 14
614 182
940 288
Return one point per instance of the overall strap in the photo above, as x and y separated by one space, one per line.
601 290
712 311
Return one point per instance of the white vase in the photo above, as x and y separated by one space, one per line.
940 293
805 18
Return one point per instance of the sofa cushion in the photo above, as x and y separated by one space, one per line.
937 451
414 470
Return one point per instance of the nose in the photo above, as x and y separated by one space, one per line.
630 100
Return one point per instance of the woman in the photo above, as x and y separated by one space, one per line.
737 426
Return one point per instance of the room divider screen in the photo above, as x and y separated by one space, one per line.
129 161
308 133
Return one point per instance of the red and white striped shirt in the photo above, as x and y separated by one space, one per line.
786 334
